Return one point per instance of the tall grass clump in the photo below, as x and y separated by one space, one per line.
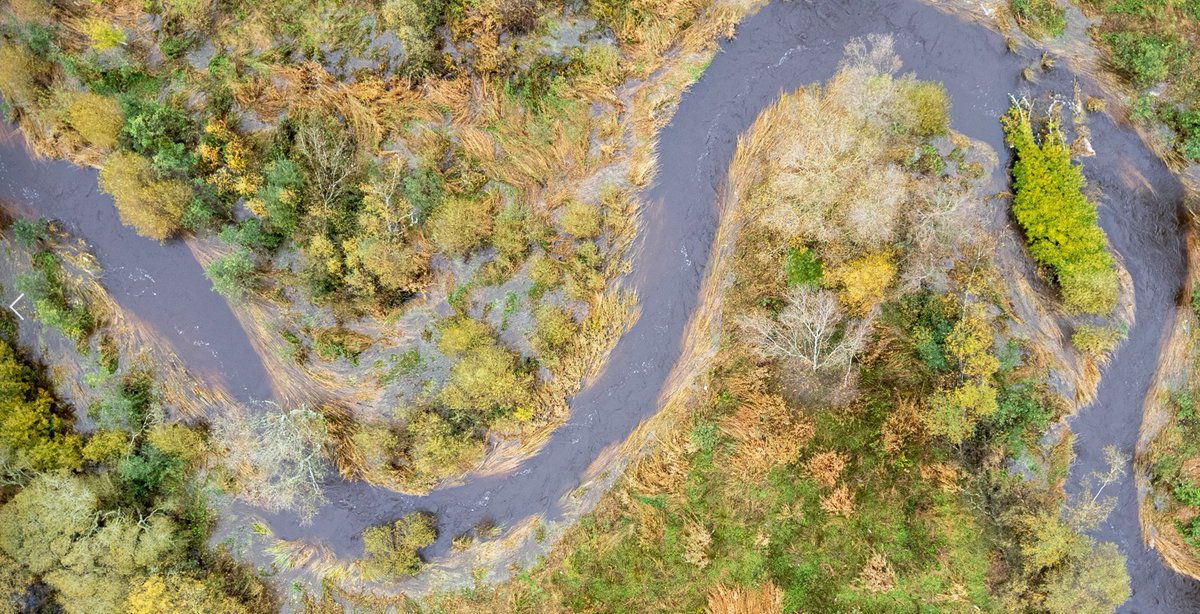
1058 219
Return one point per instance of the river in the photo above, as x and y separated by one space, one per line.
785 45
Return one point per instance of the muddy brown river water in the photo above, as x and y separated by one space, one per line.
783 46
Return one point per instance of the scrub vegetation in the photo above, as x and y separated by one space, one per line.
1153 44
113 520
852 446
367 191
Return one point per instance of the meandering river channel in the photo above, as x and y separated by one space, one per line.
783 46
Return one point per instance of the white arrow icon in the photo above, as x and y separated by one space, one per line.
13 306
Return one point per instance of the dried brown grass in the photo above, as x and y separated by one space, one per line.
764 599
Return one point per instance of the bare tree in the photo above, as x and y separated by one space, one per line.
280 456
331 157
810 329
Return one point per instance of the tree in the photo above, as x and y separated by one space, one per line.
280 457
152 206
1058 220
31 430
390 550
863 281
810 329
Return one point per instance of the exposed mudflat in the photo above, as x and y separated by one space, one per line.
785 45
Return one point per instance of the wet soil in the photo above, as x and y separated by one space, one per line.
785 45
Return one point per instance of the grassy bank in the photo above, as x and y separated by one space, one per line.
1154 46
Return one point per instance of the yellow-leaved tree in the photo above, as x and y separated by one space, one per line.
151 205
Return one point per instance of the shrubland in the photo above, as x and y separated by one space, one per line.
849 447
1152 44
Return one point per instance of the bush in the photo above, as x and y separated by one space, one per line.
232 275
581 220
98 119
1040 17
340 342
174 594
415 23
1145 58
390 550
1058 220
154 207
19 72
460 225
863 281
437 450
30 232
103 35
928 109
511 238
462 334
487 379
1095 341
803 267
554 331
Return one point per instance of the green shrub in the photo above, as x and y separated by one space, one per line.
30 232
98 119
460 225
554 331
1058 220
281 195
151 126
415 23
1145 58
1187 127
1095 340
232 275
928 109
581 220
45 288
487 379
390 550
424 190
1040 17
